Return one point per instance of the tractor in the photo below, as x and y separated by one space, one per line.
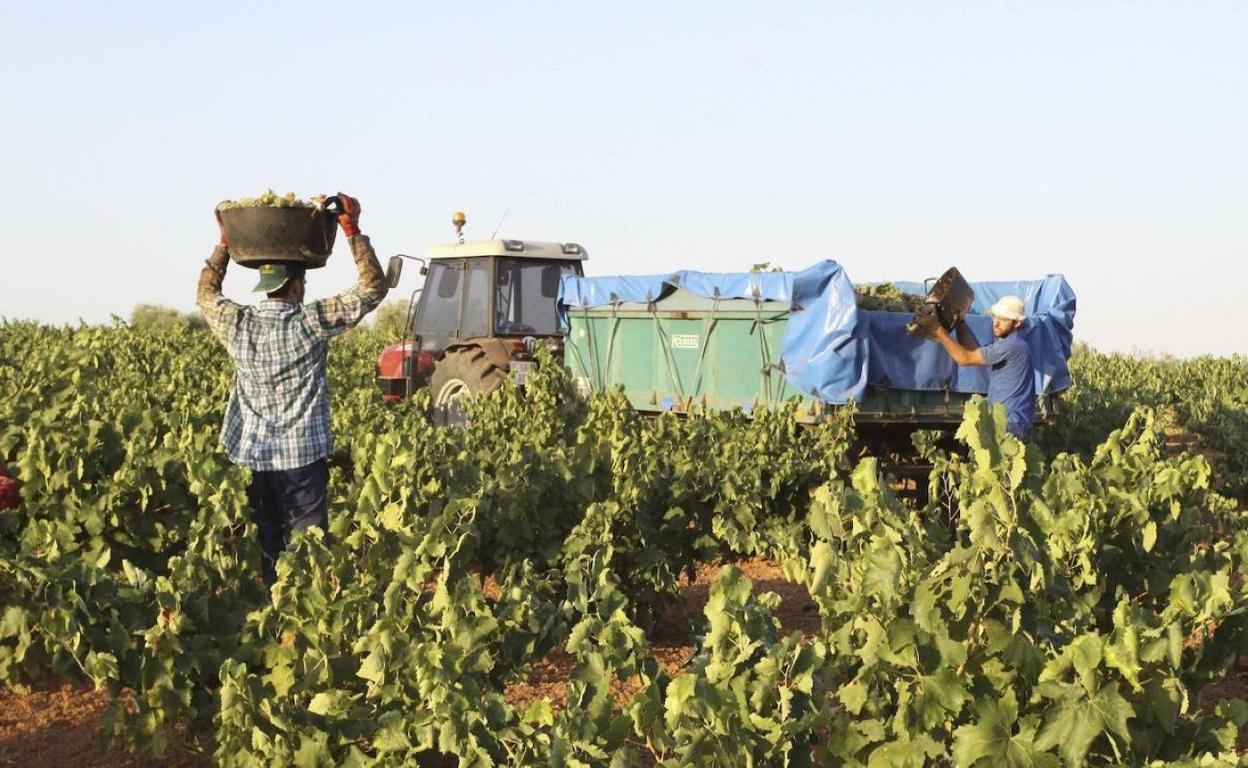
478 316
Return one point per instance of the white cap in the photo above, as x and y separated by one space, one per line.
1010 308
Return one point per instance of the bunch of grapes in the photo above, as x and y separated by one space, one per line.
886 297
269 199
10 490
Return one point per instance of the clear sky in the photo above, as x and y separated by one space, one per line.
1107 141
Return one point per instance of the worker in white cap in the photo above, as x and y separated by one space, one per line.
1011 380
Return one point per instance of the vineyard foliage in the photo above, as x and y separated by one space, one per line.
1045 608
1204 398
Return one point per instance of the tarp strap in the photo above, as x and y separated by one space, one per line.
667 353
580 361
593 350
706 342
615 323
763 351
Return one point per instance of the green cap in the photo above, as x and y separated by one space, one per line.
274 276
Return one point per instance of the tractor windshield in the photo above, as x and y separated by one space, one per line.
528 294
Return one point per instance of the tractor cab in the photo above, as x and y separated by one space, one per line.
478 317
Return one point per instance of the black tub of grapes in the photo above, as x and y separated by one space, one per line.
273 228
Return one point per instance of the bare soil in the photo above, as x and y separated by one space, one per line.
57 723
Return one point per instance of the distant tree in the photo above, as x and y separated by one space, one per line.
154 317
388 322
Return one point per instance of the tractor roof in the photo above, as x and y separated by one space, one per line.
522 249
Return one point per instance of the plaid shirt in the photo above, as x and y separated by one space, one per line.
278 415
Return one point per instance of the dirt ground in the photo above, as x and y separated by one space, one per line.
58 723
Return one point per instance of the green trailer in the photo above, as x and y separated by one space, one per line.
686 353
692 342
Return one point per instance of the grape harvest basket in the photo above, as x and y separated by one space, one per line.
268 234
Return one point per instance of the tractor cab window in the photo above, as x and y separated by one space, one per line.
526 300
476 319
440 311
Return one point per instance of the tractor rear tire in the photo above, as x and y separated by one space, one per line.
462 373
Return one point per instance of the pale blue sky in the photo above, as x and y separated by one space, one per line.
1106 141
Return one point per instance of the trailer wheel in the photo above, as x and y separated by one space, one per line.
463 374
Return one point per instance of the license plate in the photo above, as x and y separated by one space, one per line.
520 369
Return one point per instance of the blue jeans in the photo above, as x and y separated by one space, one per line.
282 501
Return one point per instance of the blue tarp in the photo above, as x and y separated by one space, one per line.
1049 330
832 350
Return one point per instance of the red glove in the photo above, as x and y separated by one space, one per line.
349 219
220 225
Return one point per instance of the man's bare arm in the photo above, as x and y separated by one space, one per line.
965 337
960 354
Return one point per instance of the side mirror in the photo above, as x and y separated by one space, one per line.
394 271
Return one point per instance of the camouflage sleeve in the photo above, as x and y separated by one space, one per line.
221 314
340 313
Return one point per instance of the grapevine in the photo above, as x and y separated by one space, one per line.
886 297
1063 603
